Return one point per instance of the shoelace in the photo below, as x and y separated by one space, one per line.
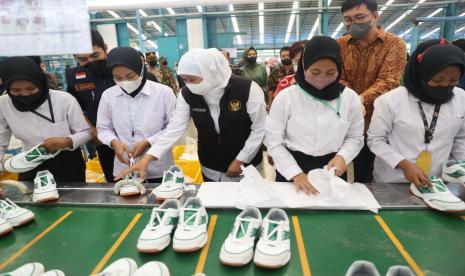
168 176
155 218
193 218
277 229
6 206
241 229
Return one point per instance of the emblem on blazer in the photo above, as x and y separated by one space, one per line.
234 105
84 86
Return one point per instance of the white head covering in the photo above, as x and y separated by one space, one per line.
210 65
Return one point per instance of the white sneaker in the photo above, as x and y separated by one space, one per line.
45 187
153 269
273 249
400 270
121 267
172 185
237 249
14 214
453 171
54 272
362 268
129 187
28 160
157 234
191 232
438 196
5 227
31 269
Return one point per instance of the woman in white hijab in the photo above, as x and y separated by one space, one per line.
228 111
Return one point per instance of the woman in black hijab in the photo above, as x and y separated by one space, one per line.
133 112
39 116
316 122
417 127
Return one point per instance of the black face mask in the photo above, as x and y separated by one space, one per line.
286 61
164 63
26 103
252 59
439 94
153 63
97 67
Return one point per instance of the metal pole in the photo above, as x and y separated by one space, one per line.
139 28
414 38
297 23
324 18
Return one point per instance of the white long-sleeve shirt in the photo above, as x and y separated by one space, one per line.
178 124
147 115
397 132
300 122
33 130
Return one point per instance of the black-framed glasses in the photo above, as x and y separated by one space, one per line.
359 18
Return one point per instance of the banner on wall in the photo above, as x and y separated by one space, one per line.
44 27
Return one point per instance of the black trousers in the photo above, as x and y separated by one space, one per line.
308 163
106 156
67 166
363 165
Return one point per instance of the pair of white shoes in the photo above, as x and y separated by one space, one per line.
438 196
365 268
33 269
273 248
128 267
172 185
11 215
28 160
190 222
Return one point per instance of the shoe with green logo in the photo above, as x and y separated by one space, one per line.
238 248
157 234
13 214
273 249
172 185
191 231
438 196
28 160
45 187
30 269
453 171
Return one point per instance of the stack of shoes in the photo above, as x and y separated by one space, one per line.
28 160
130 185
191 232
238 248
128 267
45 187
172 185
453 171
11 215
33 269
157 234
438 196
365 268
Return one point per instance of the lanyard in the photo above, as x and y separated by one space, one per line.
132 115
430 130
326 103
52 116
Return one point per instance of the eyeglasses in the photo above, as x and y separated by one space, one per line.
359 18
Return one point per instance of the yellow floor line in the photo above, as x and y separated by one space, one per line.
204 253
301 247
400 247
463 217
35 240
117 243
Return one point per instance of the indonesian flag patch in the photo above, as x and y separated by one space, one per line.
80 75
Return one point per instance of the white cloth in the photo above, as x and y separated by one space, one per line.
397 133
299 122
211 65
33 130
147 114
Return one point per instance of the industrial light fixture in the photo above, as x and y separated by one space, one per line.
235 25
261 20
295 5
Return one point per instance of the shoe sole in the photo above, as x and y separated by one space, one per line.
6 231
261 265
188 250
154 250
432 206
130 194
23 222
234 264
46 199
157 198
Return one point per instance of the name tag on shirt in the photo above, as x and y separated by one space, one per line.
84 86
199 110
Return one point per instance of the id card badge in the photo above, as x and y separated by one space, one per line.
424 161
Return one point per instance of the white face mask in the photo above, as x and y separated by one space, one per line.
199 88
129 86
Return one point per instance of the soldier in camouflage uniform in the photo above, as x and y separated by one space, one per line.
163 72
276 75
